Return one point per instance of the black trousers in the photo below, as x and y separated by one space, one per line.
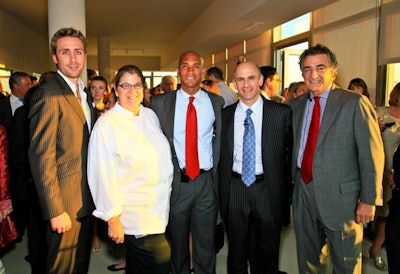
392 234
147 255
249 216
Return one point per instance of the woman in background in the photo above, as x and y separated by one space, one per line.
7 229
389 123
358 85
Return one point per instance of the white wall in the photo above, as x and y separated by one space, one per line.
21 48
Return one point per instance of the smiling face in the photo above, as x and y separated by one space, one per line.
189 71
247 81
70 57
130 97
318 74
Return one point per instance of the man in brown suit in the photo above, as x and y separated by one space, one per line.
61 120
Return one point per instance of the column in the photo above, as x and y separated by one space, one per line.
64 14
104 58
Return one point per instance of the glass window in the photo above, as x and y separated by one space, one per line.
393 77
294 27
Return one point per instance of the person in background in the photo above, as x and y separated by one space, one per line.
130 175
358 85
7 228
20 83
210 86
194 200
19 144
271 84
255 185
389 123
90 74
295 90
34 80
337 167
168 84
110 100
393 220
98 89
216 74
155 90
60 122
147 96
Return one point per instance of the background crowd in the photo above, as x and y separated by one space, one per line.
167 171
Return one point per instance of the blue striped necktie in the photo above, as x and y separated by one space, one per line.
249 151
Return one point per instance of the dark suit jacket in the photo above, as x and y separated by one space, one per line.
164 106
5 113
276 153
348 159
58 150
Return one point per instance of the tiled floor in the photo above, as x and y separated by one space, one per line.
14 262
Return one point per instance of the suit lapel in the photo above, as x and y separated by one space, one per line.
298 119
331 109
230 128
170 102
266 120
71 98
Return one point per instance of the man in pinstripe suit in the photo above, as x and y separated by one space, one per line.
264 205
61 119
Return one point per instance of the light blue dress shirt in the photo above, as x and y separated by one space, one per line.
205 127
307 120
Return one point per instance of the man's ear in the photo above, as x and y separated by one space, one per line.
54 57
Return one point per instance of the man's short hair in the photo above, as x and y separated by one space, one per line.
66 32
217 72
318 49
15 78
267 72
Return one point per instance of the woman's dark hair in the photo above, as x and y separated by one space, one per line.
358 82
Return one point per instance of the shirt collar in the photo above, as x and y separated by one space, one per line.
255 107
184 96
71 85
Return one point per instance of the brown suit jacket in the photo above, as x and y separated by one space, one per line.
58 150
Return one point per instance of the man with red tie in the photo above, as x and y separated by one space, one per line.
337 166
191 120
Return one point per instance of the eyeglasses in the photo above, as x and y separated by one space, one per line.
128 86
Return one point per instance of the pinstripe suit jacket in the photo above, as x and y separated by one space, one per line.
58 150
348 159
164 106
276 149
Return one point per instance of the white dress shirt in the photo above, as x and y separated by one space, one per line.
15 103
240 116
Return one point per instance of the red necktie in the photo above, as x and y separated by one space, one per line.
306 163
192 155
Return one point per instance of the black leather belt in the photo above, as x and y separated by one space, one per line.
259 177
185 178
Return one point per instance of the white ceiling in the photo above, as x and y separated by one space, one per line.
164 29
